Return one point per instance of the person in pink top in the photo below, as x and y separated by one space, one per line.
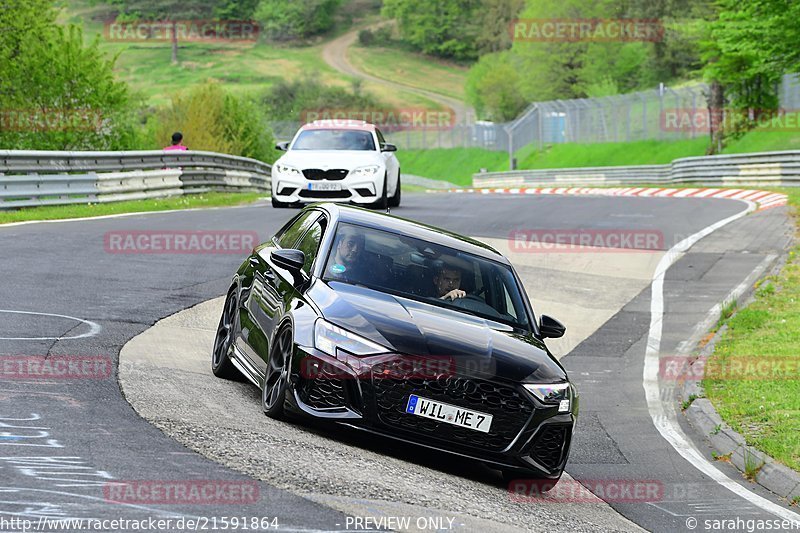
177 137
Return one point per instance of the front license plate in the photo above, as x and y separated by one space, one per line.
324 186
444 412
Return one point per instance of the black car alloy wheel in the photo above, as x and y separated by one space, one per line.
221 363
274 390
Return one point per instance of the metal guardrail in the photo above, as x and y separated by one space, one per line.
776 169
36 178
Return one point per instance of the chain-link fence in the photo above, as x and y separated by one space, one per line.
665 113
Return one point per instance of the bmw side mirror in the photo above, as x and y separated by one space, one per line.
282 146
550 328
291 260
388 147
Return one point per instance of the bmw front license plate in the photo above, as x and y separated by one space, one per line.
458 416
324 186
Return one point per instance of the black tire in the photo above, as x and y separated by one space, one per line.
273 393
394 201
221 364
383 201
532 484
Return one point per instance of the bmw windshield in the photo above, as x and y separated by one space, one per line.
334 139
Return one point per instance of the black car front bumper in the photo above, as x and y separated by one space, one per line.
525 434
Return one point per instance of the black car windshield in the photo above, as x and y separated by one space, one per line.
422 271
333 139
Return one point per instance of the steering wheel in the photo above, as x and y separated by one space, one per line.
472 302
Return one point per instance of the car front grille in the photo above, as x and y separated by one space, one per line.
510 409
305 193
549 445
320 174
323 391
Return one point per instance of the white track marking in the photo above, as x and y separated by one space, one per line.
94 328
663 416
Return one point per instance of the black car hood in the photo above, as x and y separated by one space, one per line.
419 329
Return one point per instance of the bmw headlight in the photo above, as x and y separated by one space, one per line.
552 394
366 172
328 338
287 171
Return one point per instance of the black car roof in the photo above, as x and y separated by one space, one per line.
395 224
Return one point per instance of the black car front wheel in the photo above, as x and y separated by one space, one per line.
273 393
221 364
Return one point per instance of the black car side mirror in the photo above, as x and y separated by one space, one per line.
291 260
282 146
388 147
550 328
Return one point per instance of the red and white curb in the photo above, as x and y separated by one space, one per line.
763 199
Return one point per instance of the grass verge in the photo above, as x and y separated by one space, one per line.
455 165
458 164
60 212
412 69
765 334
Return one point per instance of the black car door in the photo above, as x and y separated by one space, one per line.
273 288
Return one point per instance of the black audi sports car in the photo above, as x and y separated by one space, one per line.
400 329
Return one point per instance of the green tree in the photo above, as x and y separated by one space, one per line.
749 47
491 87
446 28
496 17
60 94
171 11
283 20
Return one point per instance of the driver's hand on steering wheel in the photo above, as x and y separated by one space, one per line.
452 295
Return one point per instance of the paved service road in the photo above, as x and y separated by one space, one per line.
64 440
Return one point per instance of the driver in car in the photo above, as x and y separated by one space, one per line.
346 263
447 282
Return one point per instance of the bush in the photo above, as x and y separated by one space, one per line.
293 100
366 38
283 20
213 120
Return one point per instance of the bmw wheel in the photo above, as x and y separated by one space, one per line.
383 201
394 201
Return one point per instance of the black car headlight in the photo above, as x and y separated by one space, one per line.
329 338
559 394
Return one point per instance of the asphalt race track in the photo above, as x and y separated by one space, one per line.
64 442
